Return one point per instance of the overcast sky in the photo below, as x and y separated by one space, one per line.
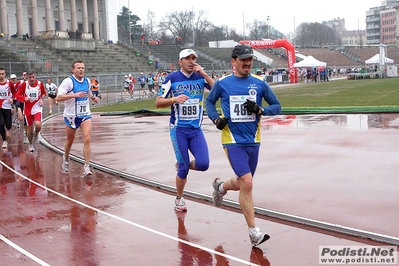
284 15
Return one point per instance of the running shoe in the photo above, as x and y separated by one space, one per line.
50 113
65 164
5 144
26 141
217 196
257 237
87 170
180 204
31 148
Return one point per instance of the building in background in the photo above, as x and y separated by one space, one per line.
381 23
87 19
353 38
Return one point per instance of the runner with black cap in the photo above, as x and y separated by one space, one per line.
241 96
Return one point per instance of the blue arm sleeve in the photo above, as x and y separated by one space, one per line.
274 107
211 100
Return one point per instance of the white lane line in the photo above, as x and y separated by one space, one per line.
23 251
130 222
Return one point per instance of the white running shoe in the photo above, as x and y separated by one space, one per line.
257 237
31 148
217 196
65 164
180 204
26 141
87 170
5 144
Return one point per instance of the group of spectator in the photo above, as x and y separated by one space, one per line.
314 74
151 82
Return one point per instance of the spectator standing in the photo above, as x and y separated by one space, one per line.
244 92
142 38
75 92
32 93
7 93
51 89
183 91
322 73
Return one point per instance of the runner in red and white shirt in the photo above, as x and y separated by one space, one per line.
32 93
20 105
7 93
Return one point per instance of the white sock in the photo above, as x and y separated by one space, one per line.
221 190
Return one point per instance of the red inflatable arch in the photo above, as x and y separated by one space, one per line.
278 44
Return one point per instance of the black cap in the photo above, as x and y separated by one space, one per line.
242 51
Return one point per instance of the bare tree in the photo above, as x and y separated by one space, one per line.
149 27
179 23
257 29
201 26
315 35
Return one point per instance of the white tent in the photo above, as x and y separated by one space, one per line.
376 60
310 61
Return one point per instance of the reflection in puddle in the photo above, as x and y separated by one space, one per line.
345 121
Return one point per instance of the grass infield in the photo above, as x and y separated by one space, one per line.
337 96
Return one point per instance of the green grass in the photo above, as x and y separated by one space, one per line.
374 95
342 93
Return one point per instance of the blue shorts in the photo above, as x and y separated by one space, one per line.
243 159
74 122
193 140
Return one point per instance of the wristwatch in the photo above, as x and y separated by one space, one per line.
261 110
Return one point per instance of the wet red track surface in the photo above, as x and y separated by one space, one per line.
337 169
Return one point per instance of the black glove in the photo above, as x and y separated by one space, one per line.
221 123
251 106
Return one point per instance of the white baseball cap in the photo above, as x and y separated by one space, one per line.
186 52
13 76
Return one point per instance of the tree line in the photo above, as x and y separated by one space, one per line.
194 27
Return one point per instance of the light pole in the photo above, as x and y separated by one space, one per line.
130 28
268 27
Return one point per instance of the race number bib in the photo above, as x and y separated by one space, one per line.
33 95
237 111
189 110
3 94
81 107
